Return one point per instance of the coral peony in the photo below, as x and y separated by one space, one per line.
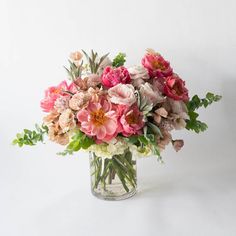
122 94
51 95
156 65
175 88
131 121
113 76
99 120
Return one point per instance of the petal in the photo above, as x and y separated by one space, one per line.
111 126
101 132
82 115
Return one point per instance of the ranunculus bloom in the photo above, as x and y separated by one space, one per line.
98 120
156 65
131 121
122 94
51 95
113 76
175 88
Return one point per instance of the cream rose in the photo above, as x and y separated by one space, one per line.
122 94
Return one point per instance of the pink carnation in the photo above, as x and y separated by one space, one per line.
98 120
113 76
51 95
156 65
131 120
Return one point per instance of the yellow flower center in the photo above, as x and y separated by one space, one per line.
57 90
98 117
158 65
131 119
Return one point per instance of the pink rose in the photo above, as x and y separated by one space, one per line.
156 65
51 95
122 94
113 76
175 88
131 120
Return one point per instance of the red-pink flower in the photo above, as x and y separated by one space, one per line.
131 120
113 76
98 120
156 65
175 88
51 95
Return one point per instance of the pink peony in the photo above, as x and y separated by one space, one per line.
98 120
131 120
175 88
113 76
51 95
156 65
122 94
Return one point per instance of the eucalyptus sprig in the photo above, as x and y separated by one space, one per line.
31 137
119 60
193 123
94 61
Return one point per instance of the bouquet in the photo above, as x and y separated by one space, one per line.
116 112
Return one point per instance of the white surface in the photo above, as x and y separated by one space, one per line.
193 193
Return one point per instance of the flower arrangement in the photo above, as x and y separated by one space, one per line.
112 111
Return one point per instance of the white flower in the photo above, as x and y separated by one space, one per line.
138 72
152 96
122 94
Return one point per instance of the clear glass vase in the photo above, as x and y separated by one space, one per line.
113 178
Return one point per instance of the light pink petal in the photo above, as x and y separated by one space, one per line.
82 115
94 107
101 132
111 126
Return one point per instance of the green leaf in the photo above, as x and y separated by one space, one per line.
119 60
194 104
78 140
143 140
30 138
154 129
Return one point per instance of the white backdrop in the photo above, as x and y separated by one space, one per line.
193 193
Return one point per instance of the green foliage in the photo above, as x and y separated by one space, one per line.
119 60
78 141
194 124
197 102
194 104
94 61
74 71
31 138
143 104
147 141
